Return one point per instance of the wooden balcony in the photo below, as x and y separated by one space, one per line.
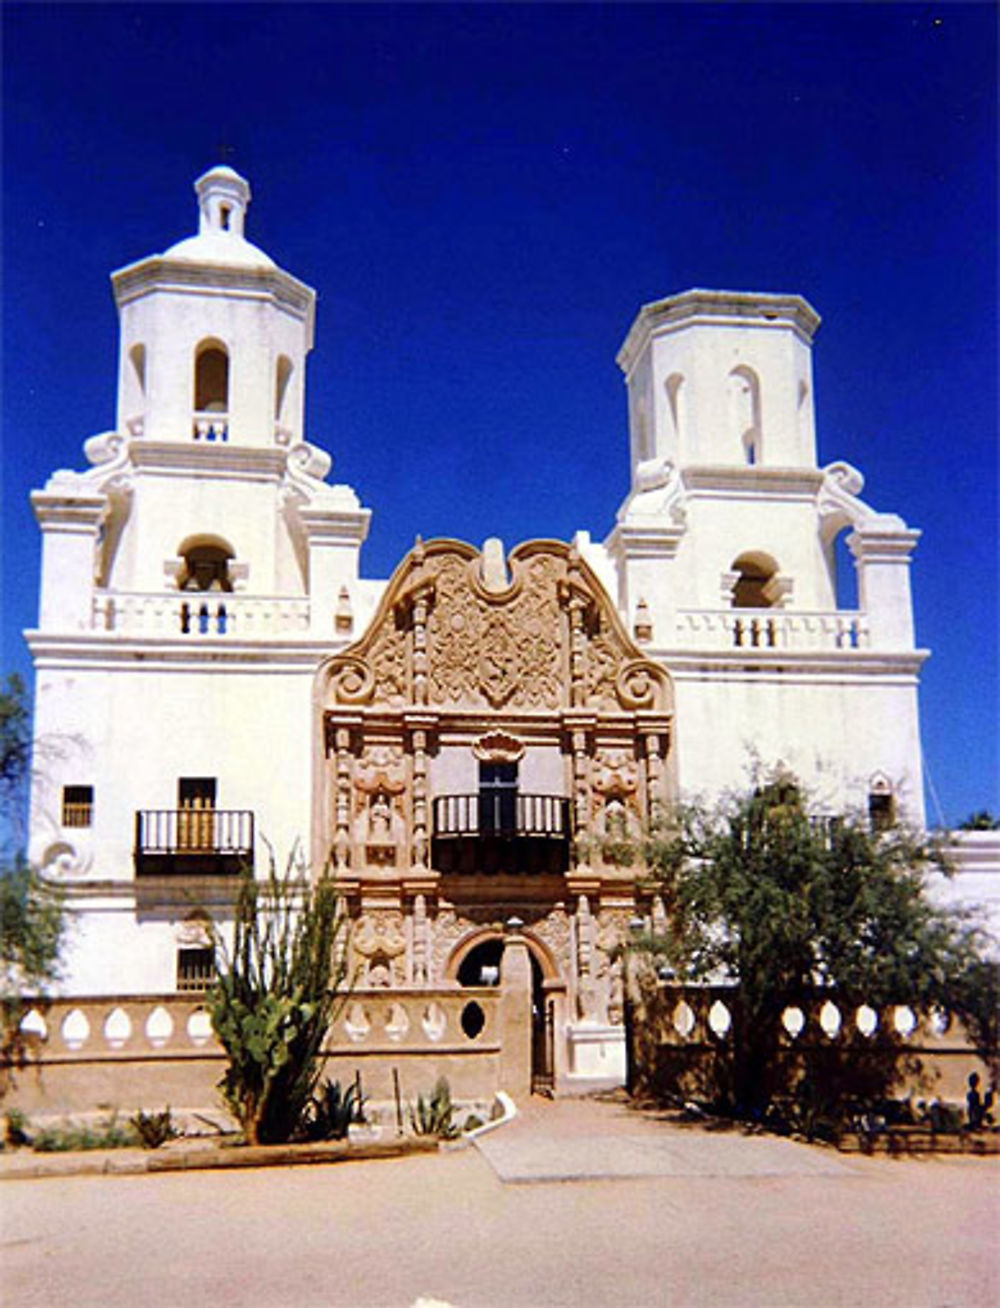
501 834
193 842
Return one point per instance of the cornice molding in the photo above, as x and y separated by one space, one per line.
161 273
190 653
793 665
743 309
253 462
757 481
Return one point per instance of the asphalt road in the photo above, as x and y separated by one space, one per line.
747 1224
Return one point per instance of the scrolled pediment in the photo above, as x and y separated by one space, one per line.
447 636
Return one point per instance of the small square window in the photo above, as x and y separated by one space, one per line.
77 806
195 968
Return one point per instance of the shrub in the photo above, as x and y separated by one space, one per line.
434 1115
106 1134
332 1111
16 1129
153 1129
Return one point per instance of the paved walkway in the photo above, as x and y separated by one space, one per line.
761 1224
588 1140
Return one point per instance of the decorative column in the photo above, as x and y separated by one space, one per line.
342 798
579 729
420 841
577 650
420 728
420 941
586 993
339 740
420 605
654 733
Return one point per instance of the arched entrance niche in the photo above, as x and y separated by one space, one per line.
541 957
476 961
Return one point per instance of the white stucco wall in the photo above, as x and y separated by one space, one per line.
833 731
133 731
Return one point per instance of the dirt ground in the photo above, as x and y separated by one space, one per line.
745 1225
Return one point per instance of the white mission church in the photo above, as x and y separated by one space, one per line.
466 741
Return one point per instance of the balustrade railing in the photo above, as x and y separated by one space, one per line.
193 841
502 815
200 613
501 833
425 1020
771 629
210 426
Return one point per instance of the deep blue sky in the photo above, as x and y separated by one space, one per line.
483 196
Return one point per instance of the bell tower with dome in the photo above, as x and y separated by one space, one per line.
192 578
209 451
214 335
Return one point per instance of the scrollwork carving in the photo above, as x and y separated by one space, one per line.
549 640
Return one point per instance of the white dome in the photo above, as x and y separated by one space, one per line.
219 247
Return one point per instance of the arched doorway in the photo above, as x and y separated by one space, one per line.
480 966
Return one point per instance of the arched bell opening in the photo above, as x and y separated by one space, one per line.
206 561
756 574
211 378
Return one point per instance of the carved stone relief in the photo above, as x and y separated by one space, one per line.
379 939
483 651
443 633
612 933
451 925
379 804
554 930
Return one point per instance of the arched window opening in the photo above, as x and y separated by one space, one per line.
206 565
225 212
282 378
745 413
754 587
676 399
137 358
211 379
642 428
845 574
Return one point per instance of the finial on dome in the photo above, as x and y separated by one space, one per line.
223 196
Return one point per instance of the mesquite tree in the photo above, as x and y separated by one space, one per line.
762 895
32 912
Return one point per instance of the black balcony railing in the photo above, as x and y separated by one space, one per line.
501 832
193 841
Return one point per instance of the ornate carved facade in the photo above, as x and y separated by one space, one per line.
477 668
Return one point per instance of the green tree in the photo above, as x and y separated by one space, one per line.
982 820
15 756
32 927
32 914
764 896
277 992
